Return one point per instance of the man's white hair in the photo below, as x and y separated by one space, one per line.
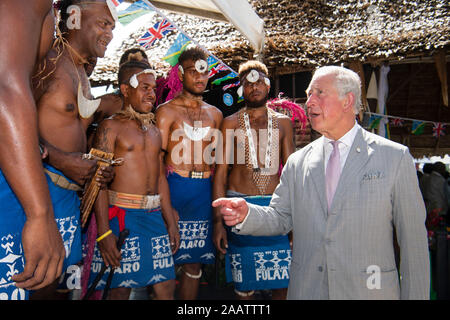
346 81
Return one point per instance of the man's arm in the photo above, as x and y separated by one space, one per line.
287 142
20 159
250 219
409 220
163 123
105 140
169 214
220 183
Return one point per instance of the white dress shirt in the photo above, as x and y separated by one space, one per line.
344 147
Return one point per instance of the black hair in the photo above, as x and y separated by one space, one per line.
427 168
192 53
125 56
129 68
62 6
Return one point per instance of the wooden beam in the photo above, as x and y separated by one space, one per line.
441 66
357 67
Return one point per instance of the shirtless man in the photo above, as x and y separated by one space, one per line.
187 124
137 195
28 231
244 253
64 112
113 102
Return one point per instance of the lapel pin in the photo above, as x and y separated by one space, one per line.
358 150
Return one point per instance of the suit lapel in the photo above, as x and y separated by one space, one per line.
356 159
317 172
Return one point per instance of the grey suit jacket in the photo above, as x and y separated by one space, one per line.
347 252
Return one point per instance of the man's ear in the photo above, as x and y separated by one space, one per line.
349 101
180 73
124 89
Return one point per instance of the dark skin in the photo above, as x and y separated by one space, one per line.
169 118
239 178
141 173
62 130
19 146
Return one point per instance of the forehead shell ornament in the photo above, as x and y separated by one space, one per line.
134 82
253 76
201 66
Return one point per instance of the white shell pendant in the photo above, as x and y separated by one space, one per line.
195 133
86 107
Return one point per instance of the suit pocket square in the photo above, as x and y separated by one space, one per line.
372 176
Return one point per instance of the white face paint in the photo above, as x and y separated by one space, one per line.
134 82
267 81
180 67
201 66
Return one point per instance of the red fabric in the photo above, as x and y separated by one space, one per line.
120 214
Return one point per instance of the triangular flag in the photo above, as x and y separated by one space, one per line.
134 11
438 129
372 90
229 76
397 122
176 49
159 30
418 127
374 121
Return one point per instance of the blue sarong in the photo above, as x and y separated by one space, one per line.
257 263
67 215
146 254
12 260
192 199
66 208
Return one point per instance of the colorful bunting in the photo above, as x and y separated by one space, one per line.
116 2
229 76
176 49
397 122
155 33
374 121
161 29
134 11
229 86
438 129
418 127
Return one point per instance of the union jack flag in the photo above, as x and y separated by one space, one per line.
116 2
438 129
397 122
232 85
155 33
216 69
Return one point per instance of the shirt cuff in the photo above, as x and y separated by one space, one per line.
238 227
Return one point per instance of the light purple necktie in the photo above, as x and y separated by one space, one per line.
333 172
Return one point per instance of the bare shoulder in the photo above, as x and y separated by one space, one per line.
167 107
216 114
231 122
284 120
112 124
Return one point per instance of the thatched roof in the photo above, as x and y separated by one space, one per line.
301 35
